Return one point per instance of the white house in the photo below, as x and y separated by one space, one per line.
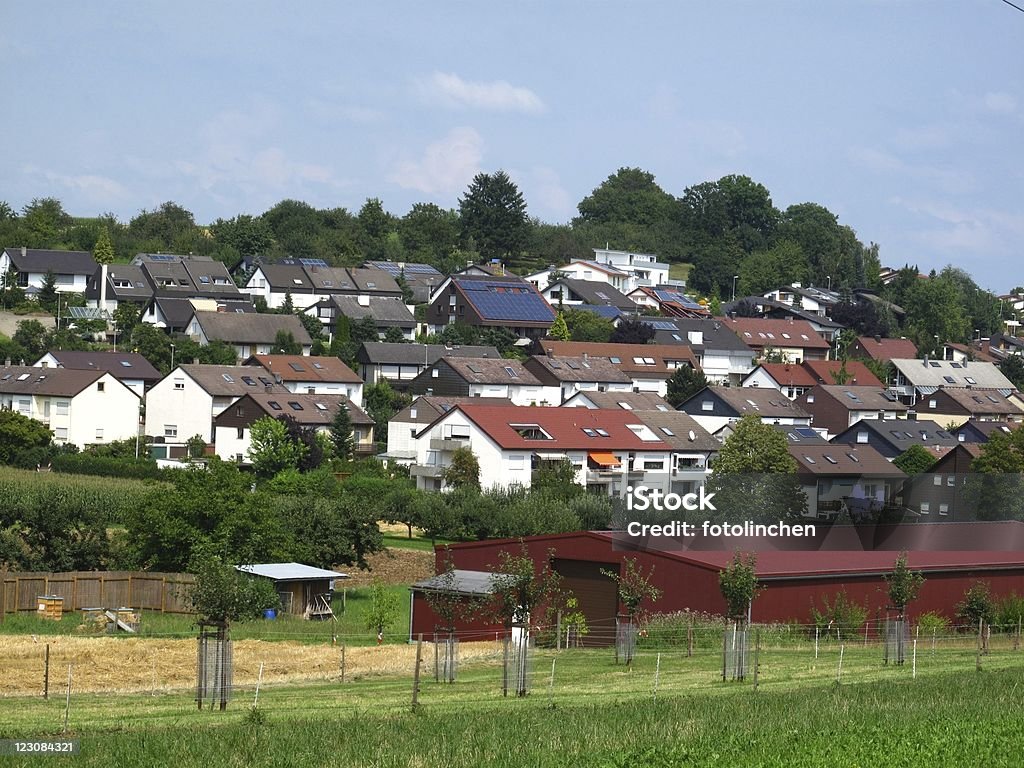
311 375
578 374
590 271
485 377
130 368
405 425
644 267
71 269
250 334
608 449
80 407
185 402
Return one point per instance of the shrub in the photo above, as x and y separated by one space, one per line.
1008 612
933 623
842 614
107 466
977 605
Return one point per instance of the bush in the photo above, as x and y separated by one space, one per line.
977 605
107 466
1008 612
842 615
933 623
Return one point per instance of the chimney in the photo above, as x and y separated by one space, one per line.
363 300
695 337
878 339
268 387
925 361
24 251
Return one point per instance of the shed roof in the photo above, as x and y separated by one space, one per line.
461 582
290 572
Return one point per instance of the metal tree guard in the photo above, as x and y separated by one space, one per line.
213 667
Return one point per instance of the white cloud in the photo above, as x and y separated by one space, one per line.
99 189
965 231
451 90
447 165
548 194
1000 103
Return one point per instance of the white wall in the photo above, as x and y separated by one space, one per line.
178 401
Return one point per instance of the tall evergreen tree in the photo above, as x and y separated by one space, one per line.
493 214
341 433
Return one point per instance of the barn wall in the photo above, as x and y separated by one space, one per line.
425 621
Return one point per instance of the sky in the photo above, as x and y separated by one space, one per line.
903 117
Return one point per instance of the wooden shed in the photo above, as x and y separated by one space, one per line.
304 590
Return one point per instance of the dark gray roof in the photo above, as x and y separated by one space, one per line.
26 380
900 433
636 401
413 354
489 370
773 308
230 380
552 370
120 365
715 334
767 403
248 328
461 582
676 428
124 281
429 407
385 310
41 260
594 293
308 410
178 311
283 277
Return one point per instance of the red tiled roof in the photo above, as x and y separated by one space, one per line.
888 349
789 375
761 332
565 425
661 354
825 371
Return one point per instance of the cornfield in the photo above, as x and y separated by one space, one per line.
26 494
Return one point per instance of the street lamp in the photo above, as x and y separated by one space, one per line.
172 357
829 278
734 279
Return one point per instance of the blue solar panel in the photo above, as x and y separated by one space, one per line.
313 262
507 301
662 325
161 257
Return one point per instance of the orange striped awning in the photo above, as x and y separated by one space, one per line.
604 458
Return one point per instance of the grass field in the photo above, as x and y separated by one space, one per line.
591 712
679 271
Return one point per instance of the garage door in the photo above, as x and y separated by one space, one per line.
597 595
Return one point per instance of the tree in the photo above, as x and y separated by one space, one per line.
47 296
306 440
587 326
20 433
684 384
125 318
977 605
493 215
103 251
634 586
384 609
915 460
524 593
247 235
33 337
222 594
754 475
341 433
903 584
1013 369
739 585
43 221
464 470
154 345
429 233
285 344
559 330
632 332
270 449
365 329
13 294
935 314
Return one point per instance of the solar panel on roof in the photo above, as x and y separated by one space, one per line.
312 262
805 432
161 257
662 325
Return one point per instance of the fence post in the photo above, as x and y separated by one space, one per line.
657 674
551 686
558 632
3 594
757 656
343 661
977 658
689 638
416 672
815 642
1016 642
839 672
866 623
163 595
913 663
437 667
725 651
259 679
46 674
67 703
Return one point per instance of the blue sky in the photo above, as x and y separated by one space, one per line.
905 118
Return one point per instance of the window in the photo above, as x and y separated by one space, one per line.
951 481
668 431
932 404
295 406
511 372
937 480
926 507
862 437
602 432
615 360
970 380
249 381
658 465
100 386
204 279
274 404
60 433
170 430
707 405
241 433
63 407
125 364
228 378
943 509
589 432
321 407
516 463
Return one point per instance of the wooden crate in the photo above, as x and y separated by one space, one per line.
50 607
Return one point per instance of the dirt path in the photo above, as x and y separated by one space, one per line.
394 566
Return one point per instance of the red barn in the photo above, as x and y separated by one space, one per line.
792 581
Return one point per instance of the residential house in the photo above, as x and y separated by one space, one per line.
398 363
174 314
169 275
835 407
670 302
650 366
881 349
572 293
325 375
841 478
405 425
386 311
941 493
791 340
692 448
644 267
720 353
626 401
485 377
186 401
80 407
421 278
609 450
590 271
978 350
976 431
916 379
71 269
955 405
578 374
308 281
768 309
817 301
130 368
892 438
491 302
794 380
232 428
716 408
249 334
124 283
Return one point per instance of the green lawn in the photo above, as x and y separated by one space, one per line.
679 271
350 607
597 714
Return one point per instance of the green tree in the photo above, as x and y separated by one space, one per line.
754 476
634 586
365 329
47 296
915 460
341 433
1013 369
247 235
103 251
429 233
524 593
271 450
587 326
13 294
903 584
20 433
285 344
977 605
493 215
559 330
935 314
32 337
125 318
464 470
384 609
222 594
632 332
684 384
43 222
739 584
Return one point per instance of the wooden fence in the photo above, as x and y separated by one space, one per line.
164 592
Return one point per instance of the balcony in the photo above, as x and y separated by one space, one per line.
426 470
448 444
